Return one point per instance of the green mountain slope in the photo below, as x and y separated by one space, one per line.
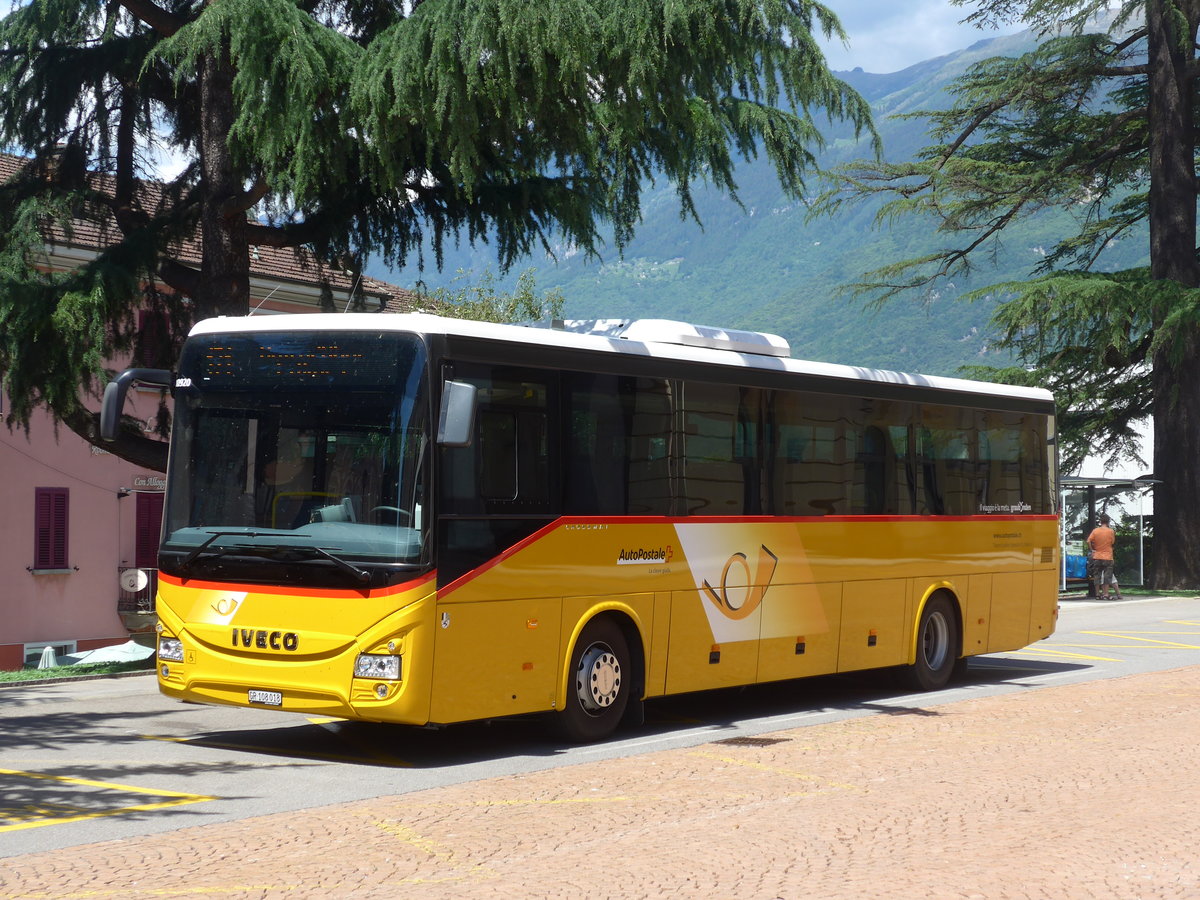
764 267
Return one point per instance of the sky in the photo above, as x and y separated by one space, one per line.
890 35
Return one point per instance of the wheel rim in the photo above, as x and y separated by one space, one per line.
935 641
598 678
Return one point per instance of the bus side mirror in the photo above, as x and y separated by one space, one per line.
457 416
114 396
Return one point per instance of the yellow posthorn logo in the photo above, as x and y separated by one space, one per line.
755 587
225 606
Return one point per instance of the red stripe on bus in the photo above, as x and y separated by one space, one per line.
759 520
295 592
515 548
470 576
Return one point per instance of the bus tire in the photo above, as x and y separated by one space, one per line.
599 684
937 646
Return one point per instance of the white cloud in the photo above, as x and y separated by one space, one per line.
890 35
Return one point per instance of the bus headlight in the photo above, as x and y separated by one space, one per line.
376 665
170 648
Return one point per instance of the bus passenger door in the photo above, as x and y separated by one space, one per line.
495 658
497 629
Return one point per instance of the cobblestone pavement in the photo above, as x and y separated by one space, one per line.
1087 790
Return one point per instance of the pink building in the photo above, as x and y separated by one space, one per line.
79 533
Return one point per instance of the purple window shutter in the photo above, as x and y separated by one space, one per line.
149 523
50 528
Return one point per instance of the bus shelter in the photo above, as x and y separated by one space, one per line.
1128 502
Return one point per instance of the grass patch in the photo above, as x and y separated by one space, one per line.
21 675
1185 593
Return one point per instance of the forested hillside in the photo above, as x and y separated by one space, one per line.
765 266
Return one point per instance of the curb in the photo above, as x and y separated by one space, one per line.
37 682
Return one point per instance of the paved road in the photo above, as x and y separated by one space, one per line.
1074 778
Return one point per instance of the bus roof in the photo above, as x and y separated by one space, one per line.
653 338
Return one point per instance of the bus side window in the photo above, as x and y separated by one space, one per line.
885 480
1000 453
508 467
875 468
498 454
594 448
1034 451
649 448
949 466
1014 457
807 472
723 437
503 485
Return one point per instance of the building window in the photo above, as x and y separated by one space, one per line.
153 346
33 652
50 528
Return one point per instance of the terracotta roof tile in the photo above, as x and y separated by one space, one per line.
295 265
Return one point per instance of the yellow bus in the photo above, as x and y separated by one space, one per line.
412 519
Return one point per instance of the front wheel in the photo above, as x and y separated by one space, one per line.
937 646
600 683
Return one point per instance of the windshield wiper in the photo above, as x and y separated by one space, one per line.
220 551
283 552
289 552
362 576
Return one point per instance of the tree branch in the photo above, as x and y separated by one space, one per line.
1138 35
162 21
294 234
982 116
183 279
235 206
1123 71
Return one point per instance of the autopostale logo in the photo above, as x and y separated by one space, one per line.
645 556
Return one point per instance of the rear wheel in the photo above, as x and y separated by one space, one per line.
937 646
600 683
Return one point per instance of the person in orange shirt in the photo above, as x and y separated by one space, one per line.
1102 540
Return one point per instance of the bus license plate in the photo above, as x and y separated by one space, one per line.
266 698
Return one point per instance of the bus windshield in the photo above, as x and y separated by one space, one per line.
298 458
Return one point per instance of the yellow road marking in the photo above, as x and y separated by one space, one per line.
438 851
1127 636
1093 646
1123 633
787 773
1029 651
76 814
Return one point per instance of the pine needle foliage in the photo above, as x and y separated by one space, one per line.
1098 122
364 128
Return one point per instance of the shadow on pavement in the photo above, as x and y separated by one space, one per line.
399 746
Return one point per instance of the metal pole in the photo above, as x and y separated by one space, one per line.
1062 541
1141 542
1091 524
